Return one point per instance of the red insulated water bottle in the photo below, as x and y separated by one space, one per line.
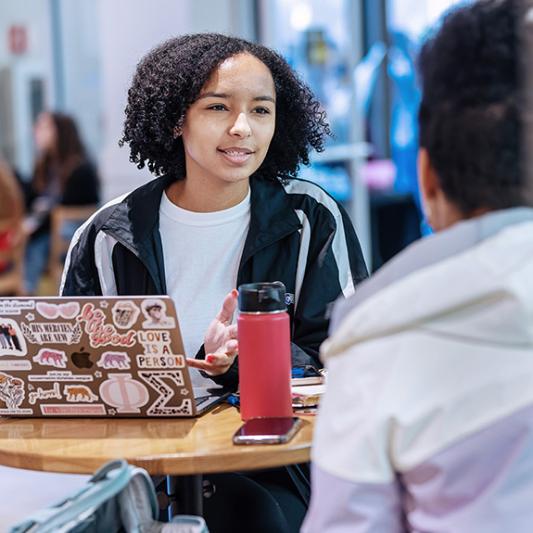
264 351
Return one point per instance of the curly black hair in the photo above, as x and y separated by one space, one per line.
470 120
169 79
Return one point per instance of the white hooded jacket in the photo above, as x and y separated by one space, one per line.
427 423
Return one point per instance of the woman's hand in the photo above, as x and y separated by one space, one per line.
220 341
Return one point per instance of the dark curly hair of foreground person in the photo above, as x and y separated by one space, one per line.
169 79
470 115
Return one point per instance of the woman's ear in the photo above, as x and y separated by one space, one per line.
428 184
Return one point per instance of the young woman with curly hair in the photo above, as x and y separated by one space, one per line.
224 124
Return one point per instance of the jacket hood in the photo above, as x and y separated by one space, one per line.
481 295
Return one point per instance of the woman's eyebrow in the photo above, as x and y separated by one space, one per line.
226 95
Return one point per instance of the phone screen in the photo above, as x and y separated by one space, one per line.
267 430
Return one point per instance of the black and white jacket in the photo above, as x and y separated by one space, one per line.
298 235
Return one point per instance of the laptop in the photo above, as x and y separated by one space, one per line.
96 357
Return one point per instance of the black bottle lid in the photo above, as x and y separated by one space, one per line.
262 297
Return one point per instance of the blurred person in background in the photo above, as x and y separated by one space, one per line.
11 208
62 175
427 422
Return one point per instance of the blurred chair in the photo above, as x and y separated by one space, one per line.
12 256
64 222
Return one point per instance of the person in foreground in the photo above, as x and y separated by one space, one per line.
427 423
225 125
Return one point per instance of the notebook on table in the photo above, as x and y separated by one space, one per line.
96 357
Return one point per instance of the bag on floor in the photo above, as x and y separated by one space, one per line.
118 498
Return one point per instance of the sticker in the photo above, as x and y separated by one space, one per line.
49 357
15 365
16 412
125 314
81 359
30 317
160 361
60 375
15 307
45 394
120 360
124 393
158 380
11 339
79 393
69 410
11 390
52 333
155 311
52 311
155 342
101 334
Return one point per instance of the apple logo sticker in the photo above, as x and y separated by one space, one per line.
82 359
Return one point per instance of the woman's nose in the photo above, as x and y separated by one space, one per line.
241 127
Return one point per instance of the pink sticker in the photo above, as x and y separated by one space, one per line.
70 410
49 357
120 360
124 393
52 311
101 334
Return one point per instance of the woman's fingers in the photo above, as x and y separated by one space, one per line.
229 305
214 364
232 331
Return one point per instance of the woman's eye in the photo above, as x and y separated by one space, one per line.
262 111
217 107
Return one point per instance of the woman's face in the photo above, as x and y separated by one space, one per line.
45 132
228 129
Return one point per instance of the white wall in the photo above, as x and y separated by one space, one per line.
15 121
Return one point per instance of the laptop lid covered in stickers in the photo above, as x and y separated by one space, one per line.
93 357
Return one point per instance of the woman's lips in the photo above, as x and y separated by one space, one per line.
236 156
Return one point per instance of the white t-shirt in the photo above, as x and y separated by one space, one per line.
202 252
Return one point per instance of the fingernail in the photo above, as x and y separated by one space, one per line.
210 358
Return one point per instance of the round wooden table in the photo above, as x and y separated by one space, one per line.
186 447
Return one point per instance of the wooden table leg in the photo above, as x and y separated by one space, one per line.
185 495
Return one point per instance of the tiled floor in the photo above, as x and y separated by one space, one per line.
23 492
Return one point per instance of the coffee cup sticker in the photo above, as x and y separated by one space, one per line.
11 339
154 310
125 314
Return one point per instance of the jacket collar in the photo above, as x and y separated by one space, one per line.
271 216
137 226
430 251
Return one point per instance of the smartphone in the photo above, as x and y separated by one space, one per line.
267 430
